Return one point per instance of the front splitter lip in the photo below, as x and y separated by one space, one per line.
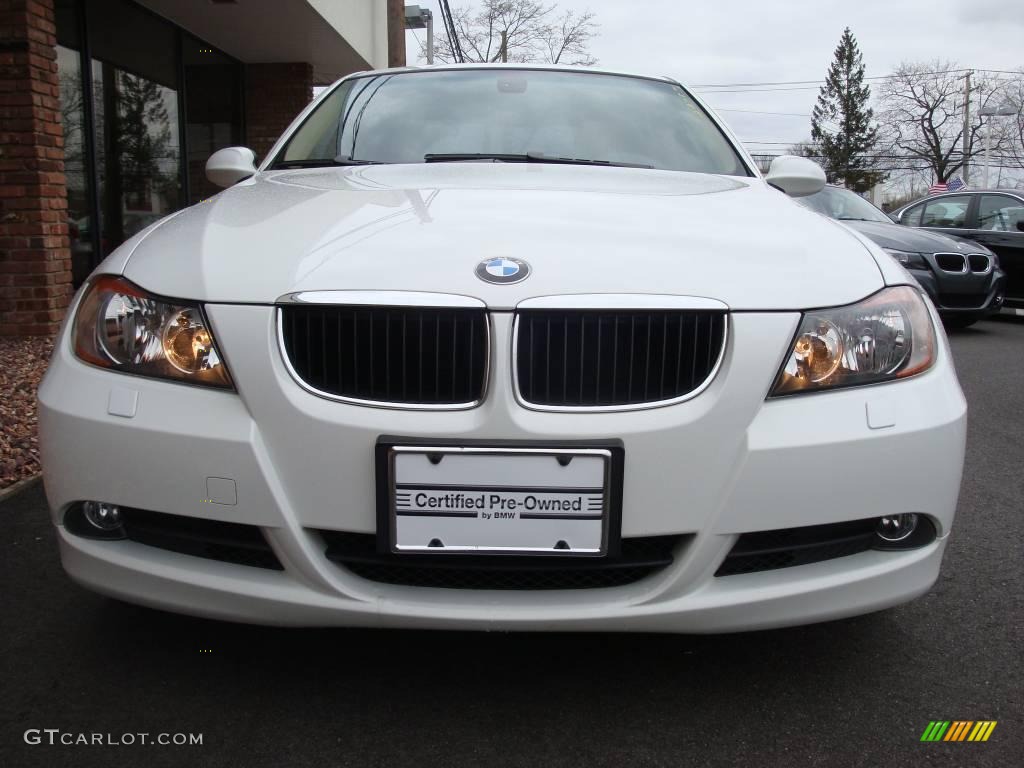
822 591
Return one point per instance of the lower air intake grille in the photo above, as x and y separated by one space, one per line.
211 539
639 558
400 355
962 301
604 358
786 547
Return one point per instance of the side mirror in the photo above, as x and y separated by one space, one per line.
796 176
229 166
1020 225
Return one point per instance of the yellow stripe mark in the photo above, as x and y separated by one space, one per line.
978 728
988 731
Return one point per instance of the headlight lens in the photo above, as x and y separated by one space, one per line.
907 258
121 327
887 336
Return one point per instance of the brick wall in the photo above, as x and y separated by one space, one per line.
35 257
274 95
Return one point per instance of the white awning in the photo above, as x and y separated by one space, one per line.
335 37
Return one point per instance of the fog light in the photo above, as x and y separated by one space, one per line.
897 527
106 517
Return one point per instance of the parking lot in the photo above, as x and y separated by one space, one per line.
854 692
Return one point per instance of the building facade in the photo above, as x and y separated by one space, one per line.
110 108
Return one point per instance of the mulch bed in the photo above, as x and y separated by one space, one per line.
22 364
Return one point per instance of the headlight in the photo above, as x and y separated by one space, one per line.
885 337
121 327
908 259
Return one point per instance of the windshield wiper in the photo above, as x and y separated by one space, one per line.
527 157
323 162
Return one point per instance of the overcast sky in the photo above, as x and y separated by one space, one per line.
745 41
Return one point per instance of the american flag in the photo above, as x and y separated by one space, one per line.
953 185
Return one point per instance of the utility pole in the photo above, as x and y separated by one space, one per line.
429 16
1006 110
967 126
396 33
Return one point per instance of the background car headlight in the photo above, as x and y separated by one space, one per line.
121 327
907 258
887 336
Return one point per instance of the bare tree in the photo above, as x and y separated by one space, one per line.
921 112
532 31
567 40
1013 96
806 148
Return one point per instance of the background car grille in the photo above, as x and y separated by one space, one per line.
602 358
951 262
962 301
638 558
979 262
399 355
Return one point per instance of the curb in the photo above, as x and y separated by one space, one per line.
22 485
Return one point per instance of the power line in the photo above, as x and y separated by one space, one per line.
759 112
812 84
451 32
821 82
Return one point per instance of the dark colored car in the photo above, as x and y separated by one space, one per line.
963 278
992 217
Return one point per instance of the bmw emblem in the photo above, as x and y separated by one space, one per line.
502 270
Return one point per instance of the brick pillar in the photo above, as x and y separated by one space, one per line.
274 95
35 255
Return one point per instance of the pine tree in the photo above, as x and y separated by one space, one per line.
841 124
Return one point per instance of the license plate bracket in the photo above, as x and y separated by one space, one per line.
548 487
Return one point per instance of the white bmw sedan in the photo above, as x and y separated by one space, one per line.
504 348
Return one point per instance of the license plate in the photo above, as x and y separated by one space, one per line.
480 500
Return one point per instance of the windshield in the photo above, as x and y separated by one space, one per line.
521 115
844 205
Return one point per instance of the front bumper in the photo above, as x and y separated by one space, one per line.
966 295
722 464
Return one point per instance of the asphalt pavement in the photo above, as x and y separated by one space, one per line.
857 692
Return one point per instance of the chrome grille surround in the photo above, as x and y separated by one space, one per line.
979 263
384 301
954 263
636 304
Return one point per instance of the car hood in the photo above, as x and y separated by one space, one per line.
582 230
903 238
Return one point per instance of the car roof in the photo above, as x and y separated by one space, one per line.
1018 193
502 66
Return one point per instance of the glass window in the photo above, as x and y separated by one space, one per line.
135 101
400 118
1000 213
912 216
76 170
844 205
123 152
76 138
948 212
138 152
213 109
133 39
